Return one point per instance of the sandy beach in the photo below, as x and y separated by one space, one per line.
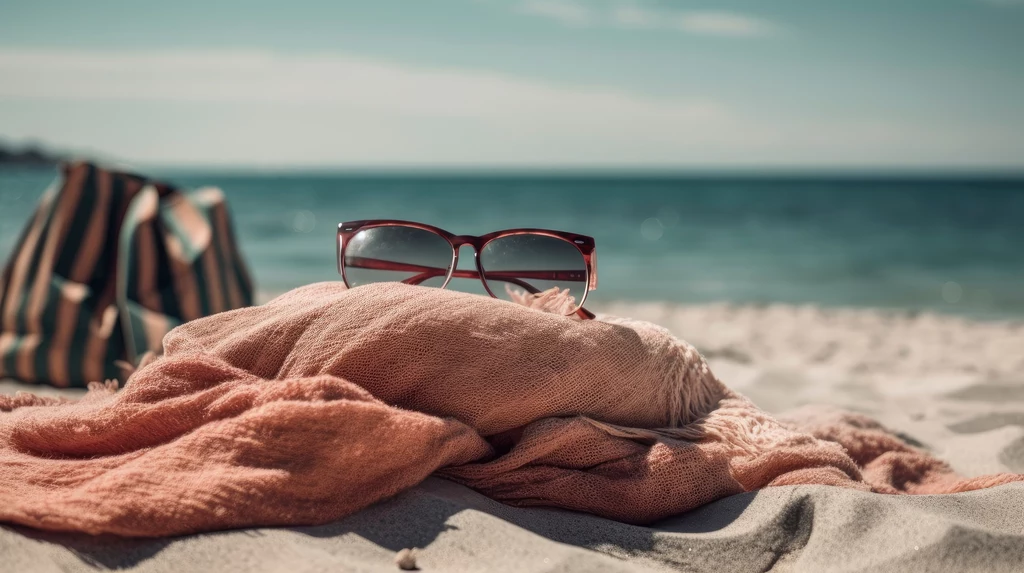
950 384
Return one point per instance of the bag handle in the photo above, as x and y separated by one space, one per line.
143 207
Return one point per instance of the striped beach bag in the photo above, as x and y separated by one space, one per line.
109 263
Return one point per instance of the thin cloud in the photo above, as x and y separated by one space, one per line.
630 15
338 80
565 12
222 107
725 24
239 106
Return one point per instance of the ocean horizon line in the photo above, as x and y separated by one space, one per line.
684 173
796 173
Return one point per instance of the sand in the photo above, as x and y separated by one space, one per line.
792 528
952 385
955 385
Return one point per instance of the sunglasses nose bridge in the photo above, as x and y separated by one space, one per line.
461 240
458 250
465 241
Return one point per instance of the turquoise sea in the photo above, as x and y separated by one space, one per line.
947 244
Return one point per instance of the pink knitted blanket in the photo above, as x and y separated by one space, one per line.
327 400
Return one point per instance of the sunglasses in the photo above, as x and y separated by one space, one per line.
514 265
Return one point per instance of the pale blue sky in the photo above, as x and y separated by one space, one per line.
539 83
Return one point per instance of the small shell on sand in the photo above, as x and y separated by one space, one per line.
406 560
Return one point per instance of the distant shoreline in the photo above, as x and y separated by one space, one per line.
28 157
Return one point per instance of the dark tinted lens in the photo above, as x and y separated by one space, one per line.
396 254
524 265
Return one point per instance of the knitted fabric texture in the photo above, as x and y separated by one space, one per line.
326 400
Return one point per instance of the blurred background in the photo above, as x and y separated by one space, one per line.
864 154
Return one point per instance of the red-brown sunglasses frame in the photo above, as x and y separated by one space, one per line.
584 244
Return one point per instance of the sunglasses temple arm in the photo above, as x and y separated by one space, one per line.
382 265
426 272
585 314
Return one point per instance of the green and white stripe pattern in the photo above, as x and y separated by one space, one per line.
109 263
